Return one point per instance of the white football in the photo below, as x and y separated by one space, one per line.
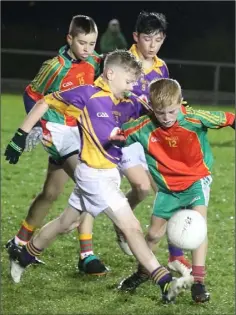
186 229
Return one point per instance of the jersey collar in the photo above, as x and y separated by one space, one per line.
158 63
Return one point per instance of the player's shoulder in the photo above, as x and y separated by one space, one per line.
140 121
52 62
160 62
95 58
190 116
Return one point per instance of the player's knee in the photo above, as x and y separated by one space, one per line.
66 225
154 235
50 193
141 189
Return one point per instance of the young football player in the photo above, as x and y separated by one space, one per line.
179 158
76 64
149 35
97 177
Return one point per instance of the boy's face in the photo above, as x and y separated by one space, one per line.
167 116
149 44
120 80
82 45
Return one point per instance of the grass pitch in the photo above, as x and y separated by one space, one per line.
58 288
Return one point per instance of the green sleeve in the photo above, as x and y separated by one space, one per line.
46 75
131 131
211 119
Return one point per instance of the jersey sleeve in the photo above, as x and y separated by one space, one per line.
45 76
212 119
70 102
131 130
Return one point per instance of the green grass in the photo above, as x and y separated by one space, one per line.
57 287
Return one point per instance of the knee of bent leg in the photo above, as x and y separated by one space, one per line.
155 235
142 189
65 225
51 193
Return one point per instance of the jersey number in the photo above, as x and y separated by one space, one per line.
81 81
172 143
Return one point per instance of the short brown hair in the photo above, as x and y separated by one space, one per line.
82 24
125 59
163 91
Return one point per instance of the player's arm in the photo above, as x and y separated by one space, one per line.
42 81
127 134
212 119
62 101
132 130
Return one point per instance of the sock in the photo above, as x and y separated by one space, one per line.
143 273
28 253
161 276
174 251
86 245
32 250
198 273
24 234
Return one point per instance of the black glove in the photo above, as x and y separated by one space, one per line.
16 146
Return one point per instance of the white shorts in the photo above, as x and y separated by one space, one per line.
96 190
133 155
60 140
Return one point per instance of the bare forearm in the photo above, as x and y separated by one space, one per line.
34 115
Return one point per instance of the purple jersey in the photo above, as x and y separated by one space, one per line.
99 114
158 70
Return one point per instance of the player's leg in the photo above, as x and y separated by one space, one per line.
200 189
164 205
53 186
126 221
88 262
133 166
155 233
198 290
26 255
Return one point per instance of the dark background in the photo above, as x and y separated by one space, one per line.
203 31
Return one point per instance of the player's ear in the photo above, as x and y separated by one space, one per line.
109 74
69 39
135 36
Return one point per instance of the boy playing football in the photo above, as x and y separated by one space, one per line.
179 158
76 64
149 36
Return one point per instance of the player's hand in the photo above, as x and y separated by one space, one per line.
16 146
117 137
34 137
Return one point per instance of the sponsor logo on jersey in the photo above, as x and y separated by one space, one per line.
66 84
102 114
154 139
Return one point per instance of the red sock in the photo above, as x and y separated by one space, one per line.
86 245
199 273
